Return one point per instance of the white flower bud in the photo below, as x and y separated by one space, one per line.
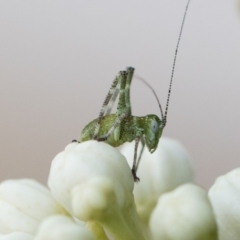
60 227
16 236
162 171
93 181
23 204
224 196
184 214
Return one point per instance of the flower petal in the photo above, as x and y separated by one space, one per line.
17 236
93 181
23 204
162 171
225 198
60 227
184 214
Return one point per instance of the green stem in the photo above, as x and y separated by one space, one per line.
124 223
97 230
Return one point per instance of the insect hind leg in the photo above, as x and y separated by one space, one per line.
107 107
124 103
115 125
130 71
124 79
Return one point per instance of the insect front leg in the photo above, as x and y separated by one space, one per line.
141 152
135 162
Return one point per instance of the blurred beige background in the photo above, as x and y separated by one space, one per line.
58 59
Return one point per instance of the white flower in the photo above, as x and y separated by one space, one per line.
93 181
16 236
225 198
184 214
23 204
162 171
60 227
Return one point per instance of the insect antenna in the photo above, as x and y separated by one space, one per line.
174 63
146 83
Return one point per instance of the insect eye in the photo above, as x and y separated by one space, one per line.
154 126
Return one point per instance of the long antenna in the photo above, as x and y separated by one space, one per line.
174 63
145 82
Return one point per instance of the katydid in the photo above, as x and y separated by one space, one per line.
116 129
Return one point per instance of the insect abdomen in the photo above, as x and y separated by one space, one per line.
127 135
106 123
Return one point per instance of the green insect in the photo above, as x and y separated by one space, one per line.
116 129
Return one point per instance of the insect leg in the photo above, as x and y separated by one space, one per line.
130 71
112 101
112 92
115 125
141 152
124 107
124 104
134 167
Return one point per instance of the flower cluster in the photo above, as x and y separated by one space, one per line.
92 196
